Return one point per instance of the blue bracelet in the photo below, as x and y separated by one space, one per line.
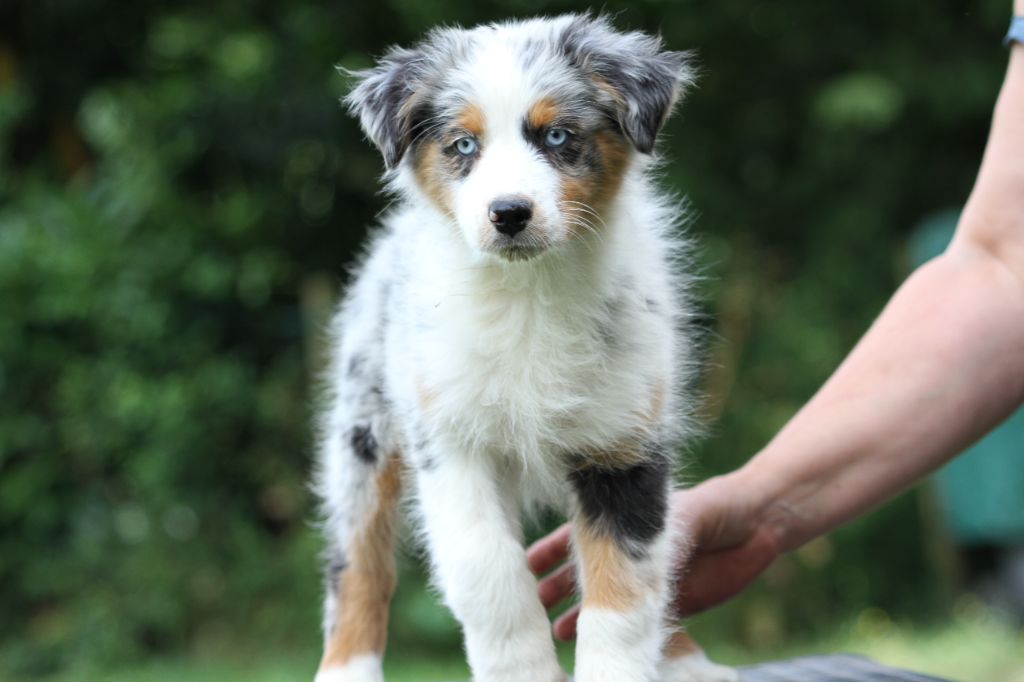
1016 32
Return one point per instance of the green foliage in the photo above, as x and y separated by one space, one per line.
177 182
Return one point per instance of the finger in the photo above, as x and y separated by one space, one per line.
718 576
549 550
557 586
565 627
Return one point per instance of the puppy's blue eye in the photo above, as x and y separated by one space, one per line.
466 146
556 137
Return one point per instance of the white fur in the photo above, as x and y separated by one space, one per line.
627 645
469 520
510 167
488 375
359 669
696 667
510 351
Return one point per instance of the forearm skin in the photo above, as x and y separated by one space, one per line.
941 366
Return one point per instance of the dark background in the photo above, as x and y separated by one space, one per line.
180 193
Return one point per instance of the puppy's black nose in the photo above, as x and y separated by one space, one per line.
510 216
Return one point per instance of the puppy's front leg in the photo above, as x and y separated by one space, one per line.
623 552
480 565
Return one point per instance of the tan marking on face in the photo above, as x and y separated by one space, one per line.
433 175
596 188
679 644
364 588
542 113
609 578
471 119
614 154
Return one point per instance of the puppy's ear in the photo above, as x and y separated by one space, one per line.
385 101
636 77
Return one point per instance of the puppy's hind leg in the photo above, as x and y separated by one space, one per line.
360 495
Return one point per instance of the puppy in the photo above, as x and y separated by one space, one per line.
513 341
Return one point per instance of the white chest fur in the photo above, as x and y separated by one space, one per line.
536 359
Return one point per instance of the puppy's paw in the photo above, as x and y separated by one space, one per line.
696 667
546 674
551 676
358 669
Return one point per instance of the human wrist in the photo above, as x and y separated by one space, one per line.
1016 41
751 499
777 499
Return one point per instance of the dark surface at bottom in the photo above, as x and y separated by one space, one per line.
831 668
835 668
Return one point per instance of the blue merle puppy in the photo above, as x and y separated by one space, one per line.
513 341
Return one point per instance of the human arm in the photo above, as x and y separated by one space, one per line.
942 365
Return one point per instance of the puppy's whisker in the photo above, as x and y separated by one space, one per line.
582 207
585 209
577 217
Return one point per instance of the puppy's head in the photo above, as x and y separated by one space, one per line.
520 133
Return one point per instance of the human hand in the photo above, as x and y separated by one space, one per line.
732 542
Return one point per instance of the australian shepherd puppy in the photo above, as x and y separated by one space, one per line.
513 340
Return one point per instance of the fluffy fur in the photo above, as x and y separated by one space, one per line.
500 361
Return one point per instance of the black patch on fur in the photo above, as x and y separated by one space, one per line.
630 504
532 50
422 456
460 164
427 129
420 128
646 79
607 335
355 365
364 445
613 310
380 101
336 565
567 157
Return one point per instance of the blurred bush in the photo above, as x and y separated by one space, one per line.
179 193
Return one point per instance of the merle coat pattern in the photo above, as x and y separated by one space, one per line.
514 339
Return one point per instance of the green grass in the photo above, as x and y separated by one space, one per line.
976 647
281 666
